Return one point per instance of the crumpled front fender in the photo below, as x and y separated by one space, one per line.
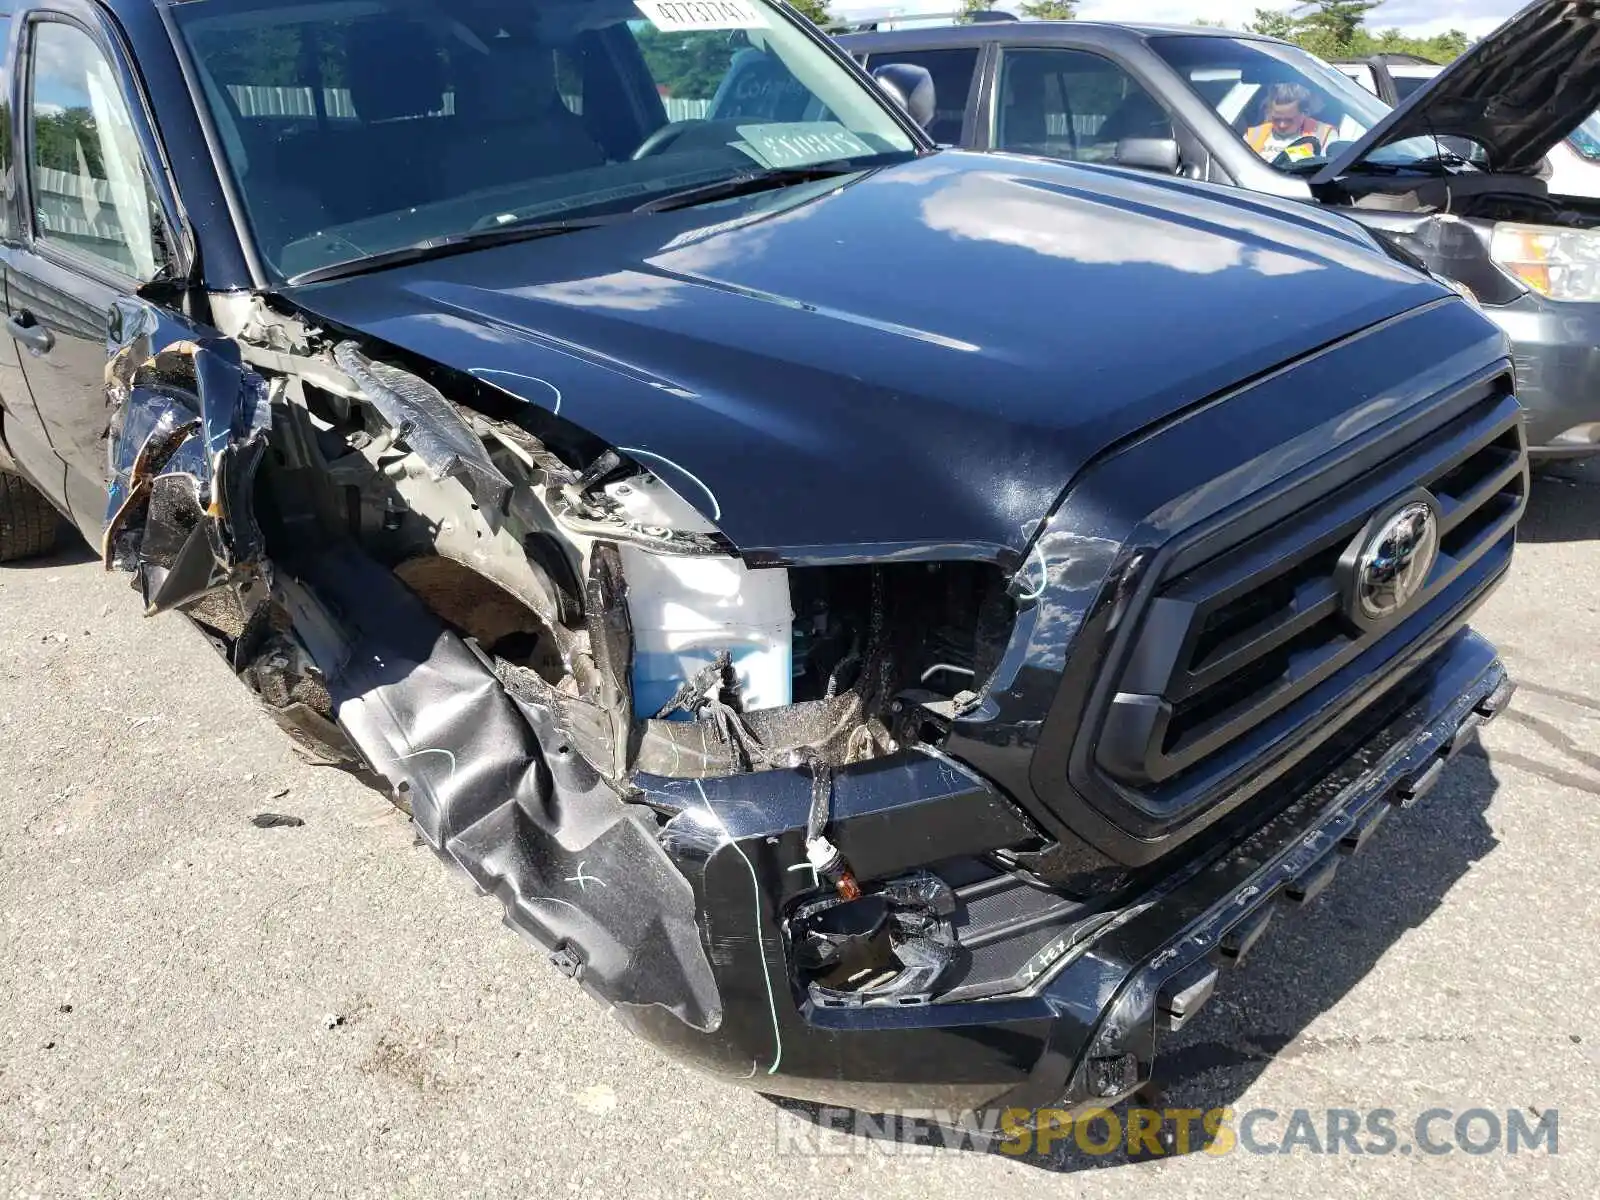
187 435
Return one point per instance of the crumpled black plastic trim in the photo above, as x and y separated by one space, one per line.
577 868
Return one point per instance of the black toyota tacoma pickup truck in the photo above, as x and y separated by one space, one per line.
891 622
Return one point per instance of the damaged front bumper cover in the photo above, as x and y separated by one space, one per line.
1087 1031
675 908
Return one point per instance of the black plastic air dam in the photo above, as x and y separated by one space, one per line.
674 915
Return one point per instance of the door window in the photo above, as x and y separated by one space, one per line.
1072 104
1407 80
91 191
1362 74
5 125
952 72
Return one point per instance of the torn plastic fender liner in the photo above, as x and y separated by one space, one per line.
429 424
577 869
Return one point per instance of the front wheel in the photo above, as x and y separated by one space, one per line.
28 525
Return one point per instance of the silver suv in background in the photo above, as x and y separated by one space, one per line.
1452 176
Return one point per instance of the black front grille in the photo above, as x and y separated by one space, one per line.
1230 643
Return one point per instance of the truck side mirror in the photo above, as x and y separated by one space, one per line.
909 86
1149 154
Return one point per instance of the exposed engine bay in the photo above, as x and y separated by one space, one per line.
1475 229
1488 197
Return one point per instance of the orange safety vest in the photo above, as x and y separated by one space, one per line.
1258 136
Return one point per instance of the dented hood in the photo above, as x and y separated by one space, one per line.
1517 93
923 355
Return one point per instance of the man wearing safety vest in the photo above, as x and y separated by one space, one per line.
1289 128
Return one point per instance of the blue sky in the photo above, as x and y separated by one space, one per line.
1476 17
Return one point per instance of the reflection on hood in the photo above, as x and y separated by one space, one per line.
1018 213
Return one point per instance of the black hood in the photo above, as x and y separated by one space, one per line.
925 355
1518 93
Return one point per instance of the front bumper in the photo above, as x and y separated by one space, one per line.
1556 348
1087 1028
673 909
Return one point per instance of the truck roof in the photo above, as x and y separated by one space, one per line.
1104 32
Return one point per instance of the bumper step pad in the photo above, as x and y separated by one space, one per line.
1169 987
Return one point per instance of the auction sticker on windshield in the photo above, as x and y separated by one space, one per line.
674 15
799 143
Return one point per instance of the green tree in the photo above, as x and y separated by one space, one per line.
1336 21
1445 47
1050 10
1272 23
266 57
815 11
687 65
1060 10
60 137
1336 29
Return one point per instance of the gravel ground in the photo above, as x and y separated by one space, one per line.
193 1005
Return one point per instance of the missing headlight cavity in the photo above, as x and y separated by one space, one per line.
870 647
874 650
941 626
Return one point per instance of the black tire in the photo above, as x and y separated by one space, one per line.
28 525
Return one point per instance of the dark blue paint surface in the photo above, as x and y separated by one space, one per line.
924 354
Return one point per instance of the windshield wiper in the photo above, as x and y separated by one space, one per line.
1430 163
530 229
747 183
1445 158
455 243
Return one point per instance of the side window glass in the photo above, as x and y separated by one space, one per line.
91 192
569 79
5 127
1074 105
1406 84
952 72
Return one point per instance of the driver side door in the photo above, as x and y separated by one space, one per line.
92 233
1083 106
24 436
